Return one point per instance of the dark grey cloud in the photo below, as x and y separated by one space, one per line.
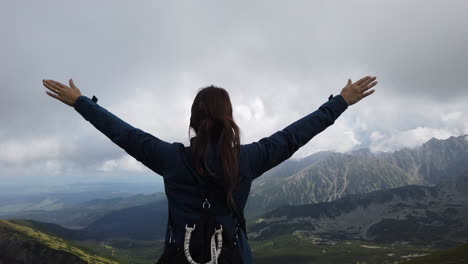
279 60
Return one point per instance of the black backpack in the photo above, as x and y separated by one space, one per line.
205 241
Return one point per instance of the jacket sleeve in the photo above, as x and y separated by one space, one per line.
144 147
270 151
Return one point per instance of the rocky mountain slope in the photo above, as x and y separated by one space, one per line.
435 215
328 176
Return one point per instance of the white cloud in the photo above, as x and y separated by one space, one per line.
125 163
108 165
339 138
54 167
253 110
456 119
128 163
243 112
409 138
452 116
18 152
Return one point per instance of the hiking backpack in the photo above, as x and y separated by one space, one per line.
205 241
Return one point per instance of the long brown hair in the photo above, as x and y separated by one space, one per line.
212 120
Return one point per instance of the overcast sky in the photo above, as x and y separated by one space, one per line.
279 60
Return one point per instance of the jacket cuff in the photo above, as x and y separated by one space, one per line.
341 103
82 103
342 100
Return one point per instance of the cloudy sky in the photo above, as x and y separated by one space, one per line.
279 60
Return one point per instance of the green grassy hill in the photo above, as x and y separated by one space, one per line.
456 255
303 249
23 238
24 244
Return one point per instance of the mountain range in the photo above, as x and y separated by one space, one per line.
81 215
430 216
327 176
321 177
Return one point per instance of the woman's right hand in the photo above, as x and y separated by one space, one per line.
66 94
354 92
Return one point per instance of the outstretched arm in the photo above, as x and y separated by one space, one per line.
270 151
144 147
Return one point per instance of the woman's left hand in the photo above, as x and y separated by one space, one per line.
63 93
354 92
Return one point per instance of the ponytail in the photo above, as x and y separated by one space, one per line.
230 146
212 120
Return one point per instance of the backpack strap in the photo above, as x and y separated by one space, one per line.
240 217
170 225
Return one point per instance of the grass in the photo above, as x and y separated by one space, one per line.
51 241
298 248
456 255
303 250
127 251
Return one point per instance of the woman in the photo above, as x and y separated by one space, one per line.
215 156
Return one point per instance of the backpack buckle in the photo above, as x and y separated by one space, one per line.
190 229
206 204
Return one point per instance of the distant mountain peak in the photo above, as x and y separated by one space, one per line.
419 214
361 151
326 177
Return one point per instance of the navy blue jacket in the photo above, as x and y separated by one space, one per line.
168 159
